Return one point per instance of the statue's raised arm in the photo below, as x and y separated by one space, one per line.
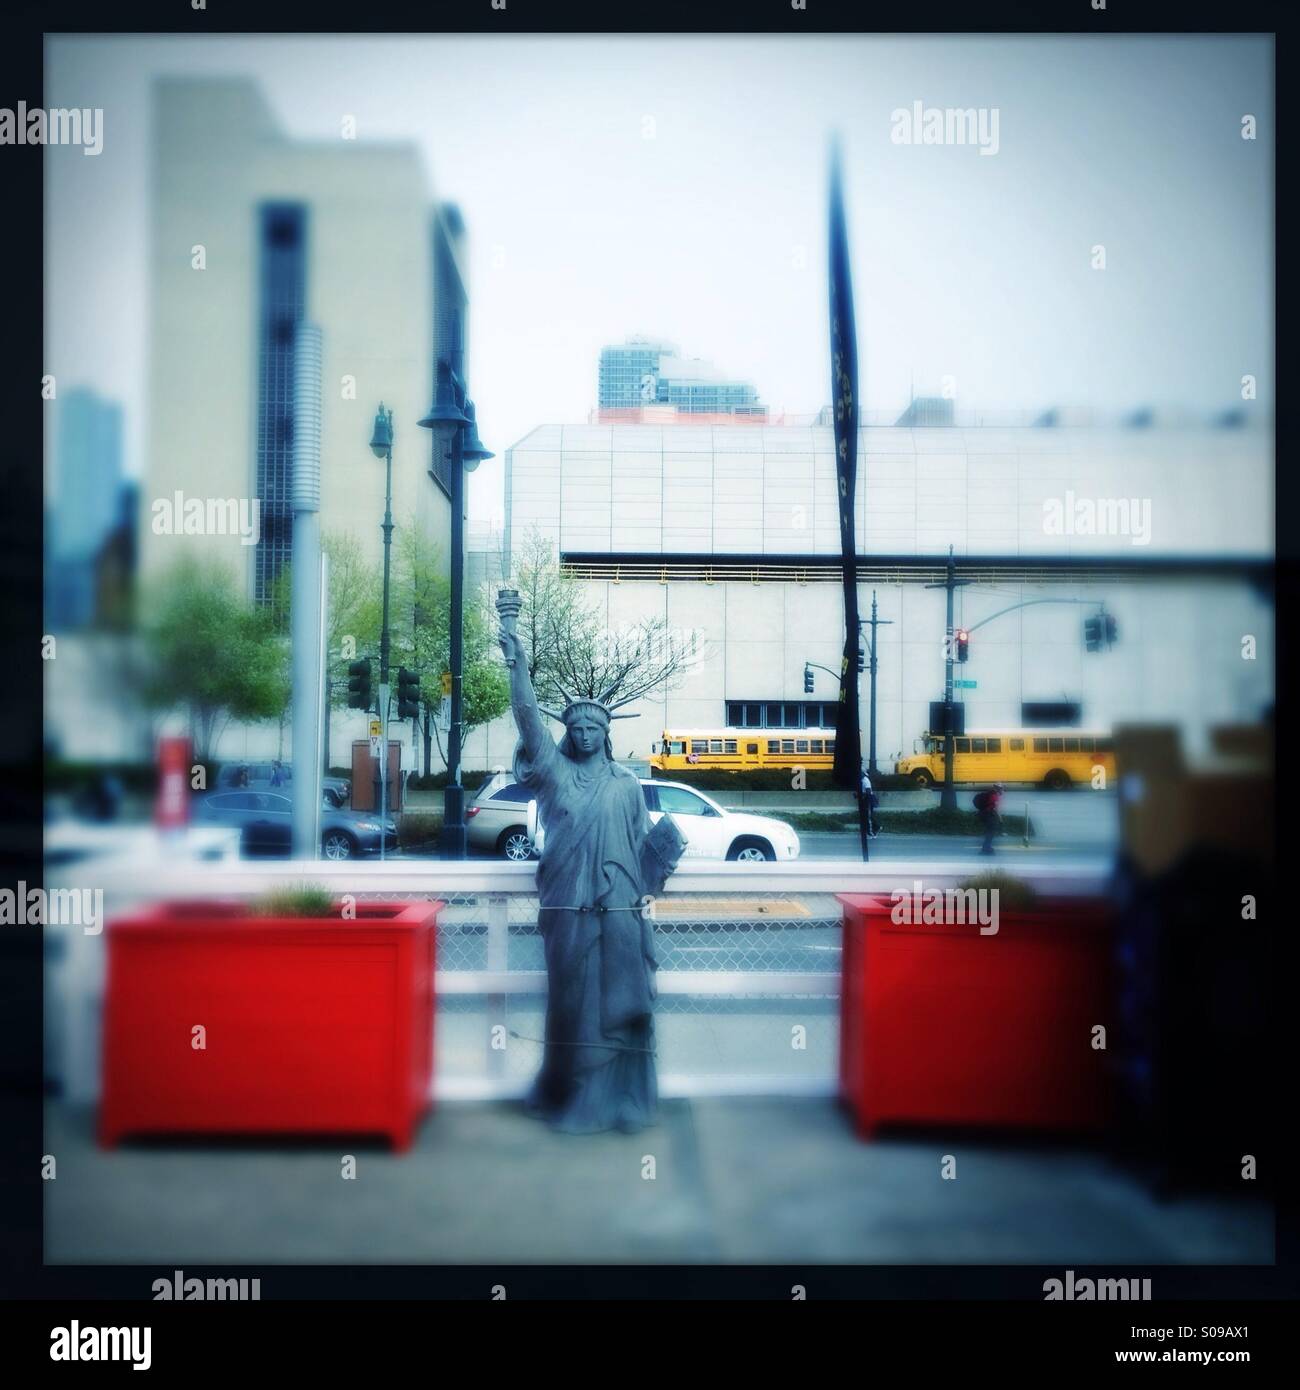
523 699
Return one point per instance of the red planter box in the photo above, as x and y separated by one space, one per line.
940 1025
310 1025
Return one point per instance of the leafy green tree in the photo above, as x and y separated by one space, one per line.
209 651
420 626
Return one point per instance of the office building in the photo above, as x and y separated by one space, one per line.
644 373
251 233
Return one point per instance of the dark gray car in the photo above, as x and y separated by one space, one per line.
262 777
264 820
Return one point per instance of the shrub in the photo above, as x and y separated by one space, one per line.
296 900
1012 892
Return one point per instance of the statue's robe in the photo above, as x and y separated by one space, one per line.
600 862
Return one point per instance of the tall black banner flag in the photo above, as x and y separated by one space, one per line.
844 398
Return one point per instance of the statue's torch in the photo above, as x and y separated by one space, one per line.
508 606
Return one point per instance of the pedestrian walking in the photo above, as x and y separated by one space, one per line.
868 795
987 804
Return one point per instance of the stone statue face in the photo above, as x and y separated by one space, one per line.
586 737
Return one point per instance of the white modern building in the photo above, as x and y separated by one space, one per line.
733 531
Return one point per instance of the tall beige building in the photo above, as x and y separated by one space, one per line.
252 231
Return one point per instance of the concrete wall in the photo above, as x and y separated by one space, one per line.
745 489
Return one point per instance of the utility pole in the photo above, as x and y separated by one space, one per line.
381 445
872 769
948 797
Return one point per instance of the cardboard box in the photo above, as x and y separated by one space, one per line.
1170 806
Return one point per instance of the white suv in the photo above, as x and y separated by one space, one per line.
711 831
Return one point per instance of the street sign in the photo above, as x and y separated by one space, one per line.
965 685
376 738
446 682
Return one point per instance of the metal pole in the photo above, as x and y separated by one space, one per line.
948 798
876 622
383 659
453 836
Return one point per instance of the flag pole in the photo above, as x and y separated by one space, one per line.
844 402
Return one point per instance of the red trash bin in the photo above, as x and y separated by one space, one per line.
217 1021
942 1025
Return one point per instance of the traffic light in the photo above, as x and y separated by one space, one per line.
1092 632
963 643
359 684
1111 630
807 680
408 694
862 660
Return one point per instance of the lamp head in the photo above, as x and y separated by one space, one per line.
381 439
445 416
473 451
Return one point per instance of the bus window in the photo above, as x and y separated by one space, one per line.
1040 745
1105 745
773 745
977 745
678 746
816 745
1071 745
801 745
830 745
729 745
715 745
995 745
1085 745
699 745
963 745
751 748
1017 745
787 745
1056 745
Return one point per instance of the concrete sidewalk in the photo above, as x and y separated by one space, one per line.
763 1180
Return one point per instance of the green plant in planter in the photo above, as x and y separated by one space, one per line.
1013 893
295 900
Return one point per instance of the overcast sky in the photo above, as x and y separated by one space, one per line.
676 187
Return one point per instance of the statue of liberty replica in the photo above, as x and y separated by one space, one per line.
601 865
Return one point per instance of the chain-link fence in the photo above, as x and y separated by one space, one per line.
748 990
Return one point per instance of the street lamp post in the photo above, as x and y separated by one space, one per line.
871 651
381 445
452 418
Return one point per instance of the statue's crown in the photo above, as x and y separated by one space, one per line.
575 704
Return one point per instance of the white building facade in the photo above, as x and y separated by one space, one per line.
732 531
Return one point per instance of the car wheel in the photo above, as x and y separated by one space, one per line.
922 778
515 845
751 852
337 844
1057 780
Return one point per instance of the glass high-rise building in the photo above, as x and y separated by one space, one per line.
645 372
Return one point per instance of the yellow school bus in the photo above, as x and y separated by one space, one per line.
1053 758
741 750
